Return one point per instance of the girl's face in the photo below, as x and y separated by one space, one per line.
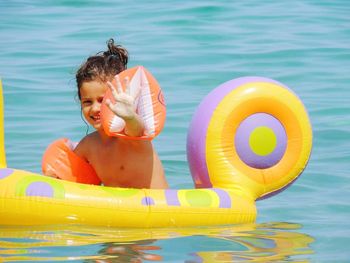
92 93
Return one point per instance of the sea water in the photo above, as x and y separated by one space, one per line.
191 47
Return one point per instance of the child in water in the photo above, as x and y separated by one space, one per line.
117 161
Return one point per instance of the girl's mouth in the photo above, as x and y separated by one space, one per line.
96 118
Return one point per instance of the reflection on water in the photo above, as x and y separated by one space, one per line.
269 242
136 251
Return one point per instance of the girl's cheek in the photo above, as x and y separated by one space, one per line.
85 111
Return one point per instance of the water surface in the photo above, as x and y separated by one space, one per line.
191 47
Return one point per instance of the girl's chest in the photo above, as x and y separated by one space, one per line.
117 166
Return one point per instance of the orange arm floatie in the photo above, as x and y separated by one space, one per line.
60 161
150 105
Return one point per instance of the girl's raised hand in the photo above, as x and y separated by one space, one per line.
124 107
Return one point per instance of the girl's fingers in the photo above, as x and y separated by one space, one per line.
113 90
127 85
110 105
119 85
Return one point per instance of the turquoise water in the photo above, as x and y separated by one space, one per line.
191 47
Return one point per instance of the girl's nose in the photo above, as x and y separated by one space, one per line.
96 106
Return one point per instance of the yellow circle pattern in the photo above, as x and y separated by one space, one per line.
262 141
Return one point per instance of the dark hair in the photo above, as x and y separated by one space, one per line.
103 66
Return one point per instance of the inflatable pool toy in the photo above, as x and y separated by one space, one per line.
249 139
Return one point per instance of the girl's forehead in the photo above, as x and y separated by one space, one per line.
90 88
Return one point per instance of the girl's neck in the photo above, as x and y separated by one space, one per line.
103 136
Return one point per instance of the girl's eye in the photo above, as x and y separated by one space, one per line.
100 100
86 102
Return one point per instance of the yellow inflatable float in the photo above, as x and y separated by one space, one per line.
249 139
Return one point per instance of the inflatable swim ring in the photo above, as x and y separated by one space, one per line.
249 139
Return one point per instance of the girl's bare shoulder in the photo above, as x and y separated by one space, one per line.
85 144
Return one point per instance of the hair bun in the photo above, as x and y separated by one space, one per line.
116 51
111 47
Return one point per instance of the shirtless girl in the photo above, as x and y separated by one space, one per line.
117 161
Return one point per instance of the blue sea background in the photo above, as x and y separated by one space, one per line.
191 47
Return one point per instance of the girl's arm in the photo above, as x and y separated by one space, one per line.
81 149
134 127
